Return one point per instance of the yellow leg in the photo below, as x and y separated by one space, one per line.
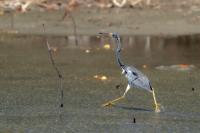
112 101
117 99
157 105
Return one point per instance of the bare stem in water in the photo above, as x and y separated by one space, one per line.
60 77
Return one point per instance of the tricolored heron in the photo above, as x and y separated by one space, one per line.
135 78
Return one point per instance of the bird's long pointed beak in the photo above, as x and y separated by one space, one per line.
104 34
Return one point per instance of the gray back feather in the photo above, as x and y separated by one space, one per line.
137 79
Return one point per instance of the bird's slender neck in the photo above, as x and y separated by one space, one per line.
118 50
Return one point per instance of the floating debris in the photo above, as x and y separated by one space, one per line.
144 66
103 78
117 86
134 120
106 46
179 67
193 89
87 51
96 76
99 77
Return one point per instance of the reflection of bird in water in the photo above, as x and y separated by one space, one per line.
135 77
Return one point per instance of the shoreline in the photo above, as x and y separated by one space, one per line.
89 21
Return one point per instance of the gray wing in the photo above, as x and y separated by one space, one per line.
136 71
137 79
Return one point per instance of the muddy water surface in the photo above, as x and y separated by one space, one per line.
28 85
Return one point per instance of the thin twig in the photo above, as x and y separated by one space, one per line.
60 77
68 13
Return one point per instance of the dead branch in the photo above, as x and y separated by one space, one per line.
69 8
74 26
60 77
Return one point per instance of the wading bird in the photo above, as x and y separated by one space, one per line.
134 76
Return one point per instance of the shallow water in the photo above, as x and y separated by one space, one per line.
28 85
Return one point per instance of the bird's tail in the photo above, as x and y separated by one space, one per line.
151 88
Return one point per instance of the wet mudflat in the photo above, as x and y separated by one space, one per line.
28 85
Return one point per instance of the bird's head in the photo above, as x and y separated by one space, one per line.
112 34
115 35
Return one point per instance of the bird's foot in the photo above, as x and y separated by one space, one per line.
107 104
157 108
